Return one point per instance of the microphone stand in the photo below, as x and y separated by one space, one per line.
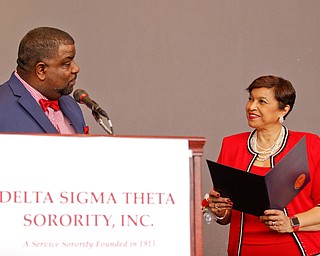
100 121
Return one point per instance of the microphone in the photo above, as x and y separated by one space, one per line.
81 96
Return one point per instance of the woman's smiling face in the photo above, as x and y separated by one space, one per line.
262 108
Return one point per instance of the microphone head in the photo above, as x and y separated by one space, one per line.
79 94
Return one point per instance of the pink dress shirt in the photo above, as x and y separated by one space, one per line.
57 118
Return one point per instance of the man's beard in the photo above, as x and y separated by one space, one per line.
68 88
65 91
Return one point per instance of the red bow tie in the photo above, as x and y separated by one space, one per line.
54 104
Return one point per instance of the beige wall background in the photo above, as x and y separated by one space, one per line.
180 67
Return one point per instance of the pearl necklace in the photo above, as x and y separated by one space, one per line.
266 153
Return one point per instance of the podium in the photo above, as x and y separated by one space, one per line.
98 195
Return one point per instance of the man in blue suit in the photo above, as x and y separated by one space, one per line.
36 98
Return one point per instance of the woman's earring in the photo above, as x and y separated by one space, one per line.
281 120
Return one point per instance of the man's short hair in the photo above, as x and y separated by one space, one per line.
40 44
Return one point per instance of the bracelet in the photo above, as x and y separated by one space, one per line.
221 218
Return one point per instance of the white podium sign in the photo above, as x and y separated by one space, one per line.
94 196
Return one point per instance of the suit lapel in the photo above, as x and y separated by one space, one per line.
30 105
70 113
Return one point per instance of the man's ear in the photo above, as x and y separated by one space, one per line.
40 70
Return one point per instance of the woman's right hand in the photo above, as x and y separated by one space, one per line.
220 206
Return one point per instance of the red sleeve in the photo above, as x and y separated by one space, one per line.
314 166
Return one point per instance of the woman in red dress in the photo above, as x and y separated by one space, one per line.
294 230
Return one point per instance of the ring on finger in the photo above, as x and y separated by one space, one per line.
216 206
273 223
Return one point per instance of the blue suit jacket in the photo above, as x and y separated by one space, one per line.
20 113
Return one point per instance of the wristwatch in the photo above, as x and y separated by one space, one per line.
295 223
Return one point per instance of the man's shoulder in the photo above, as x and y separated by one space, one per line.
5 91
9 84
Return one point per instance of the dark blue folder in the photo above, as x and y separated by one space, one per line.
252 194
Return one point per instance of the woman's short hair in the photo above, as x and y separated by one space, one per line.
40 44
283 89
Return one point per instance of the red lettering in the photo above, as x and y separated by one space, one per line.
129 220
66 220
63 196
148 198
26 197
3 194
79 198
26 218
86 197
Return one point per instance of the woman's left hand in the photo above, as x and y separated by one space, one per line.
277 221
